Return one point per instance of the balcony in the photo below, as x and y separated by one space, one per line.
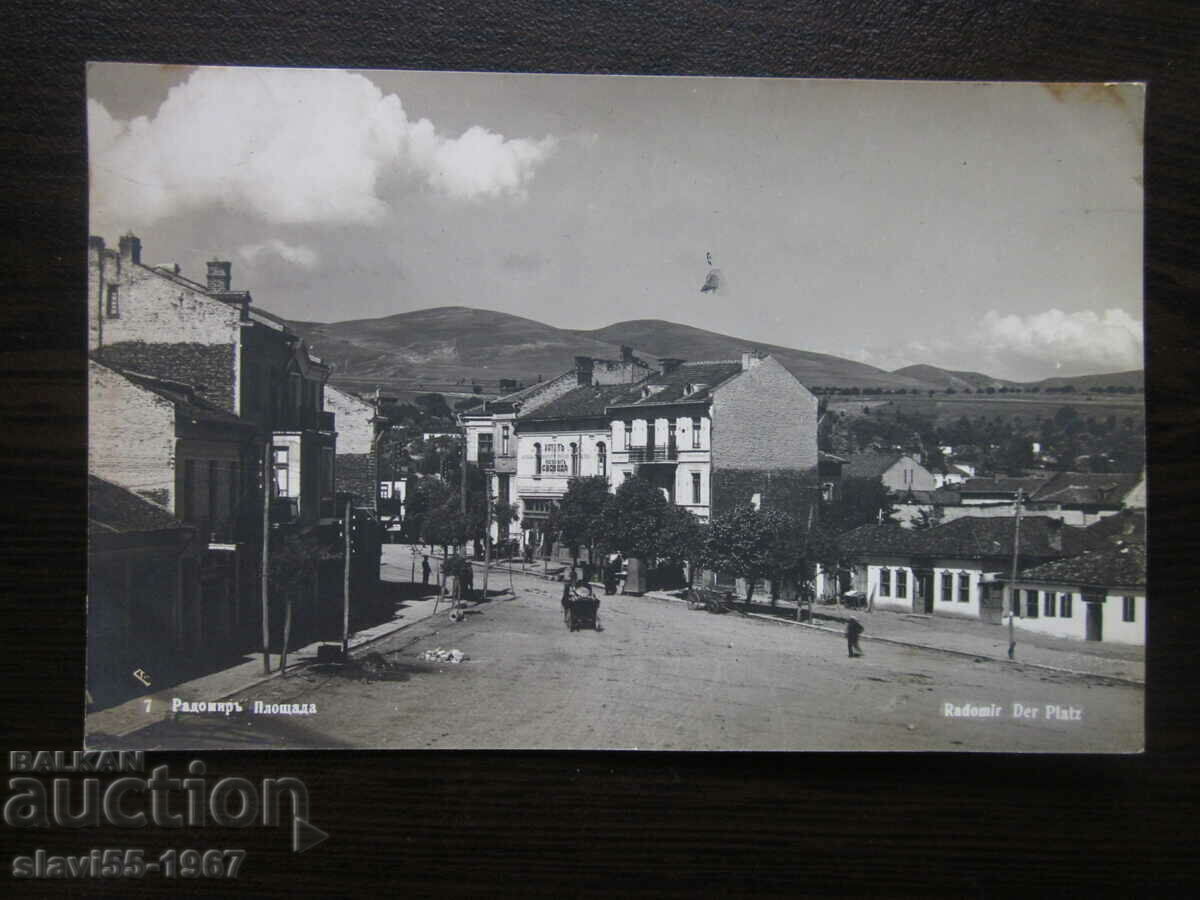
506 463
486 459
667 454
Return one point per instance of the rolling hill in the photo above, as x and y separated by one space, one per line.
450 348
946 378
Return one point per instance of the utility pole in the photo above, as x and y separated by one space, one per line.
266 544
487 537
346 588
1012 587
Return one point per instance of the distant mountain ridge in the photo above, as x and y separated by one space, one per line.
947 378
450 345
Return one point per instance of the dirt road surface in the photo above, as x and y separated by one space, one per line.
661 677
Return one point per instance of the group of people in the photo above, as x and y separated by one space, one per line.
466 576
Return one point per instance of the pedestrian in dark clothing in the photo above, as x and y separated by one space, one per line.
425 570
468 580
853 630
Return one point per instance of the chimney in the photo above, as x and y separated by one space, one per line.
626 354
1056 534
668 364
750 359
131 248
219 276
583 370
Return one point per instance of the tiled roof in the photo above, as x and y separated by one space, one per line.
589 401
114 510
1000 485
1113 567
1129 525
869 465
185 399
675 383
1087 488
971 537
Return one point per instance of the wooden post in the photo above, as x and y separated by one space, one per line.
266 566
1012 587
487 538
346 588
287 633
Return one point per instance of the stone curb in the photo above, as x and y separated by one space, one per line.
1120 679
263 679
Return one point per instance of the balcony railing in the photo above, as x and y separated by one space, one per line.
487 459
653 454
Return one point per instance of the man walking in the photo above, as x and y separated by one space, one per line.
853 630
425 570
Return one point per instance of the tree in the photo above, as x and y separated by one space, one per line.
861 502
681 539
740 543
631 522
580 513
927 517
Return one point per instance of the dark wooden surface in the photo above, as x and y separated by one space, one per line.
599 823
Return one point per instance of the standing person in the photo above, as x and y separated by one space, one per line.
425 570
853 630
468 579
610 575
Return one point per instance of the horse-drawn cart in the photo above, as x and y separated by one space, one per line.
581 609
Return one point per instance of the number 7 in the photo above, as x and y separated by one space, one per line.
235 862
147 702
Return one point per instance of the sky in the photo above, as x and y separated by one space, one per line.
972 226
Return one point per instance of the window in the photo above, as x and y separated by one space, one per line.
671 436
295 386
282 485
885 582
827 491
503 495
189 490
625 476
504 440
1031 604
537 459
235 480
1128 609
574 460
327 472
1064 606
964 587
696 433
484 456
947 587
902 583
385 490
1048 604
211 511
601 460
112 302
696 487
627 435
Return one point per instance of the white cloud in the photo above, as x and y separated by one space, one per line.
290 147
1086 340
296 254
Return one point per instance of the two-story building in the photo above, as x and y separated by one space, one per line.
714 435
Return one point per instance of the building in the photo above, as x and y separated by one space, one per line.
533 441
1099 595
144 593
1077 498
153 321
359 426
898 472
715 435
951 569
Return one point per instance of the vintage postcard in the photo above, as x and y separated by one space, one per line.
454 410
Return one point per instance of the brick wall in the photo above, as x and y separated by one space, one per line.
352 419
211 365
764 419
356 473
131 436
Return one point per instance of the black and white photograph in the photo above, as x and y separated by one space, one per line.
448 410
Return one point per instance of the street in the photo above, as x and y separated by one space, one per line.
659 676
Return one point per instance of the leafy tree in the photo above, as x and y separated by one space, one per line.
580 513
681 539
860 503
741 542
927 517
632 521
